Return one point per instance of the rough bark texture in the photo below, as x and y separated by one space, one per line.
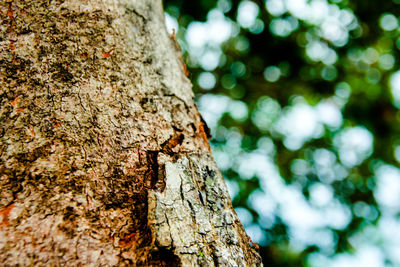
104 156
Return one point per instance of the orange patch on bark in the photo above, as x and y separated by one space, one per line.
4 213
203 132
185 70
173 35
19 110
9 13
203 128
12 45
11 17
57 124
84 55
127 240
254 245
204 136
178 47
107 54
171 143
14 102
31 131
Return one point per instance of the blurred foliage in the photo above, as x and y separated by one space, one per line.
303 100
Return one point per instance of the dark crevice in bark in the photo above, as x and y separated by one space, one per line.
201 198
132 10
152 168
205 129
214 256
171 143
165 258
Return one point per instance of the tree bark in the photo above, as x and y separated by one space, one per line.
104 157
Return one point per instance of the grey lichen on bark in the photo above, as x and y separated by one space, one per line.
104 156
194 217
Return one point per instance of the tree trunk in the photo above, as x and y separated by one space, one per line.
104 157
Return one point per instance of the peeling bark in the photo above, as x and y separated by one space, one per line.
104 156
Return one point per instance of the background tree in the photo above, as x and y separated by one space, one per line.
104 157
302 98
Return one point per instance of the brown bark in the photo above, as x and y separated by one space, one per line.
104 156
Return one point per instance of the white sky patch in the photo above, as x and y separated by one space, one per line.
327 169
324 158
196 34
365 256
347 17
171 23
306 220
354 145
362 209
223 159
295 210
318 12
249 164
302 122
298 8
275 7
332 30
334 173
205 38
387 192
224 5
283 26
298 124
332 23
323 238
216 30
233 188
330 114
256 234
388 22
272 73
247 13
300 167
389 229
210 59
244 215
212 107
320 194
233 142
320 51
337 215
218 26
265 113
238 110
265 145
379 240
265 206
206 80
270 179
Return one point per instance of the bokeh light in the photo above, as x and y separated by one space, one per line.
302 98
